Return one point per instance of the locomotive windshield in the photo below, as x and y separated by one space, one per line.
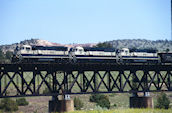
27 48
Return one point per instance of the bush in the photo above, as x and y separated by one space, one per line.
104 103
8 104
95 97
2 56
101 100
9 55
162 101
78 104
22 102
115 105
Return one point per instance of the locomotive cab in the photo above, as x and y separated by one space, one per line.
78 50
124 52
17 55
25 48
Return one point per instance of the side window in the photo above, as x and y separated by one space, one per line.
33 48
22 48
27 48
70 50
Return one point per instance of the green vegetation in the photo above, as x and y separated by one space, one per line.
22 102
78 104
127 111
8 55
162 101
5 57
101 100
160 45
104 45
8 104
2 56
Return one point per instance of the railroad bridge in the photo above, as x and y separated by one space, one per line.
51 79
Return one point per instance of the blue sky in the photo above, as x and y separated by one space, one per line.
84 21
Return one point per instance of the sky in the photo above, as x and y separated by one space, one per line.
84 21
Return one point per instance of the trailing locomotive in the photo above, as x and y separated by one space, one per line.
138 56
88 54
60 54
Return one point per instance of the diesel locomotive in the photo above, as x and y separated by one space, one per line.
61 54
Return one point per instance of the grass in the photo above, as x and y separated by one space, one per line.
127 111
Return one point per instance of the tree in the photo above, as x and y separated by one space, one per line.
78 104
162 101
1 54
101 100
8 104
104 45
167 50
9 54
22 102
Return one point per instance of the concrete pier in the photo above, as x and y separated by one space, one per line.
56 105
141 102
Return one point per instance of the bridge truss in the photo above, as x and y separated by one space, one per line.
56 79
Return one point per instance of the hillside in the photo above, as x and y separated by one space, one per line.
11 47
160 45
39 42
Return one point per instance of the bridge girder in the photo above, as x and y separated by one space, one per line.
59 79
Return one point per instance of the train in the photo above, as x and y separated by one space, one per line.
78 54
